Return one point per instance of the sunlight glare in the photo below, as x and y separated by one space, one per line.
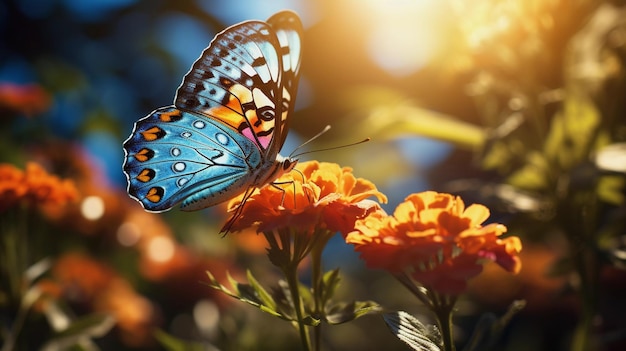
404 34
397 53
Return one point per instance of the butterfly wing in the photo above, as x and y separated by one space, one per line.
289 31
237 80
175 156
226 128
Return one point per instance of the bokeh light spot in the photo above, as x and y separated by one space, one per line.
160 249
612 158
206 315
128 234
92 208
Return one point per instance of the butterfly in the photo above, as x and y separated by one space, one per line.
222 136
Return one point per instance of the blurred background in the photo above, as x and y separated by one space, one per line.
515 104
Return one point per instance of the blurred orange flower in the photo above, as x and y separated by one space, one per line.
34 187
88 282
436 240
316 195
28 99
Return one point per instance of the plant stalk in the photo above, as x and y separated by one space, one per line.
443 306
291 273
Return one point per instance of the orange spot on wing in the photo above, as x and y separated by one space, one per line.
154 195
143 155
145 175
152 134
169 116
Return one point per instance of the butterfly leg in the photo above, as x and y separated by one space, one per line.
282 200
226 228
304 186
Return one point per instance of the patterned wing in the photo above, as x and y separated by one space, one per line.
175 156
238 80
288 29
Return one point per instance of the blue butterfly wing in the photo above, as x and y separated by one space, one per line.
234 92
175 156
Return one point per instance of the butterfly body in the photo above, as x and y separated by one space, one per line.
224 132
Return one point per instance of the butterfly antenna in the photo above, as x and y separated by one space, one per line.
327 128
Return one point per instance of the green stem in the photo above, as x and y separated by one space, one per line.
578 217
443 308
316 275
14 233
27 301
417 291
586 265
291 273
293 248
317 282
14 230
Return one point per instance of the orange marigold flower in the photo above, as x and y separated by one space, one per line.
34 186
316 195
28 99
89 282
436 240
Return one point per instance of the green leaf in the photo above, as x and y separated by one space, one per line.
572 132
311 321
534 175
305 294
171 343
392 114
81 331
330 281
610 189
277 303
247 294
403 119
412 332
282 296
265 297
505 147
345 312
497 156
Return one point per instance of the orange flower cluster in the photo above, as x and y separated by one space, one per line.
315 195
436 240
82 280
28 99
34 187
